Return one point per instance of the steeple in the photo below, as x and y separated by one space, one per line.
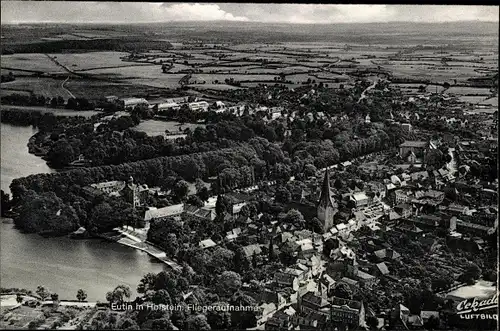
325 199
327 208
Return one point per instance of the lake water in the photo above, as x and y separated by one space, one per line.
61 264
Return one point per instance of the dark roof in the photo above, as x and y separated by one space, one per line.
414 143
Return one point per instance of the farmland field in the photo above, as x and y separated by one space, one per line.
491 102
217 87
33 62
472 99
92 60
46 87
95 90
459 90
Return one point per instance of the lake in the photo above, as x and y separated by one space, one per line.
60 264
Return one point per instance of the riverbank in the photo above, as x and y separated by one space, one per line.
129 239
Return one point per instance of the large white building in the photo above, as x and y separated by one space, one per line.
198 106
129 103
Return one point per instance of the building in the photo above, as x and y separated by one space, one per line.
130 103
327 207
131 192
281 320
419 148
168 106
347 312
162 213
360 199
109 187
198 106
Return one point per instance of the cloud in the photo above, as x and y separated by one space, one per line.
312 13
138 12
111 12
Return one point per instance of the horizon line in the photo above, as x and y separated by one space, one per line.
247 22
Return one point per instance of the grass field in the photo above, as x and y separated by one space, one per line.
490 102
216 87
460 90
46 87
34 62
157 128
91 60
472 99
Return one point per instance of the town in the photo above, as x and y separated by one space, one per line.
364 206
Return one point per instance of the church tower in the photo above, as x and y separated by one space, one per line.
327 207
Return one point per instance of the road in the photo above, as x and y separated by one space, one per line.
363 95
65 89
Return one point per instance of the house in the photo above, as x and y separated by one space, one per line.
310 320
251 250
410 229
233 234
353 284
404 209
387 254
161 213
381 269
365 278
348 312
417 147
109 187
198 106
168 106
130 103
207 243
311 302
360 199
284 280
203 212
281 320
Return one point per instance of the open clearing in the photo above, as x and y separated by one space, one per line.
33 62
157 128
46 87
92 60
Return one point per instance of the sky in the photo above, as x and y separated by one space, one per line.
141 12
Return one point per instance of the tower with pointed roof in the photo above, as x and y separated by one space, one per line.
327 207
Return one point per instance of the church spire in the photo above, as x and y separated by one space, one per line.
325 197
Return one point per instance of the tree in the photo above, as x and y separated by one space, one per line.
372 322
42 292
147 283
5 202
222 205
219 318
54 297
181 189
161 297
162 324
81 295
283 195
343 290
197 322
432 323
228 282
119 294
19 298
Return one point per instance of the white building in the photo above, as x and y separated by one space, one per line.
168 105
198 106
129 103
